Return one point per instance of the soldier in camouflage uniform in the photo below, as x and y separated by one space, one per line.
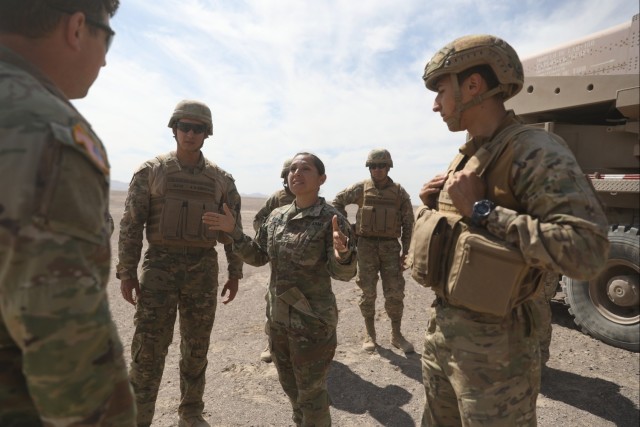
548 287
306 243
61 360
168 195
384 214
281 197
482 369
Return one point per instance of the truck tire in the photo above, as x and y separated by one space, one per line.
607 307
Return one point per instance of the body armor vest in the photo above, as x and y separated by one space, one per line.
497 179
379 215
178 200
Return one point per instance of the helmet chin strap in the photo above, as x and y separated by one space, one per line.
454 122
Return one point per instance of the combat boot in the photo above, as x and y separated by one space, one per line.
265 356
369 343
195 421
397 340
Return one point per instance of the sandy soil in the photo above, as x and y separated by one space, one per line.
587 383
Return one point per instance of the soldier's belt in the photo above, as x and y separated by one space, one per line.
184 250
378 238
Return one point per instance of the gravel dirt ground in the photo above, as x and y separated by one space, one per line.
586 383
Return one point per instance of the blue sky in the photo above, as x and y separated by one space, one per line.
335 77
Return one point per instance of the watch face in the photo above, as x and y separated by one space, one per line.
483 208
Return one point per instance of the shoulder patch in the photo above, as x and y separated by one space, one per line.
84 138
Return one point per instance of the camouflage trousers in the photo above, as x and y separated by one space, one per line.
61 360
380 255
480 370
542 300
186 282
302 354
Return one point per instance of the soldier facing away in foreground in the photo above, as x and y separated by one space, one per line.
384 215
306 243
282 197
168 194
512 204
61 359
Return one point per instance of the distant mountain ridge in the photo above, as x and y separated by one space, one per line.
119 185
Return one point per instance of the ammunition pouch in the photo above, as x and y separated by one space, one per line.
378 221
429 243
181 220
466 265
485 273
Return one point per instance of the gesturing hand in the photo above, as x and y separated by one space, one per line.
340 240
217 221
430 191
465 188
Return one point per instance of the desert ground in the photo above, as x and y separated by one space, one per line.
586 383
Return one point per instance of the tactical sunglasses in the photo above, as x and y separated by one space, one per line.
104 27
107 29
377 165
195 127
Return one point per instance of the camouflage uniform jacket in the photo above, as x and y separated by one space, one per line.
355 195
545 204
55 181
136 215
299 247
279 198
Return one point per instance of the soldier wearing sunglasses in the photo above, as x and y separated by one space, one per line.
60 355
168 196
384 214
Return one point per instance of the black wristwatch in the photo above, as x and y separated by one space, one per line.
481 211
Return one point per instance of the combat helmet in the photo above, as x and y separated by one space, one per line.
285 169
472 50
379 155
195 110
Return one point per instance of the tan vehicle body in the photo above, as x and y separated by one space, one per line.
588 92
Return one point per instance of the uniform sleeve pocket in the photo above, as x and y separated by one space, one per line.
77 198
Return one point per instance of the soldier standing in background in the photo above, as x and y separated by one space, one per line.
384 215
60 355
518 191
306 243
168 194
281 197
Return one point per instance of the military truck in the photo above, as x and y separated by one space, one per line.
587 91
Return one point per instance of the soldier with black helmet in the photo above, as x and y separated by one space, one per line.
512 205
384 215
168 195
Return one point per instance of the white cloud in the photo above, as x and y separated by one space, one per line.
334 77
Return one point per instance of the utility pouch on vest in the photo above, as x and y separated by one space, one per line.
485 273
193 229
364 220
377 221
432 233
390 220
171 220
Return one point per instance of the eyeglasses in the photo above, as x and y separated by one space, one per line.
104 27
377 165
195 127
